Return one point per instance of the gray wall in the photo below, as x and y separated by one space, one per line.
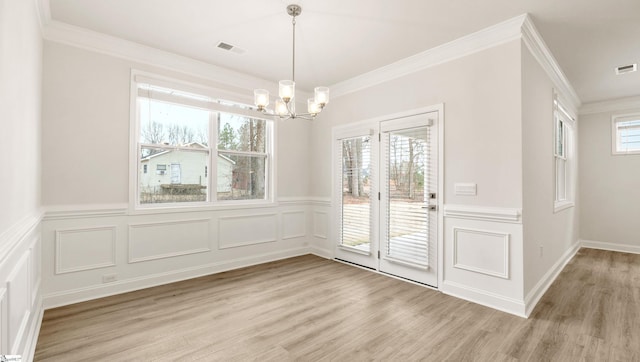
609 185
555 232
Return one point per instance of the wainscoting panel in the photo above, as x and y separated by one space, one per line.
4 322
235 231
88 248
19 292
294 224
155 247
482 256
159 240
481 251
320 223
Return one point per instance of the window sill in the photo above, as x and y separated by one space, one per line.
562 205
624 153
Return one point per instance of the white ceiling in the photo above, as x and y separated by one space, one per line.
340 39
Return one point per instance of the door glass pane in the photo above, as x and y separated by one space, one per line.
356 193
407 190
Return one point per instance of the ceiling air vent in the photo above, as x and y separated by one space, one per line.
626 69
231 48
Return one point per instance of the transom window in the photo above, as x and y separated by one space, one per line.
625 134
181 136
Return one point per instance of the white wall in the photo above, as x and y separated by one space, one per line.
481 93
555 233
609 192
20 211
86 127
93 245
481 100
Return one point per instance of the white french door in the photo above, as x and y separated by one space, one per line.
387 188
408 199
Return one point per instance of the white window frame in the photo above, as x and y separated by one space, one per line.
615 135
216 101
563 155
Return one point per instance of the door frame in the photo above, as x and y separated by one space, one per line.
373 126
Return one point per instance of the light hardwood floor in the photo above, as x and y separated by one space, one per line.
308 308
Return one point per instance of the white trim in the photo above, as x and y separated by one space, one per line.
17 233
21 264
615 119
562 205
321 252
4 320
505 258
222 245
484 39
29 348
61 212
132 260
58 299
484 213
320 201
482 297
293 201
315 233
602 245
58 251
82 38
613 105
538 48
537 292
293 236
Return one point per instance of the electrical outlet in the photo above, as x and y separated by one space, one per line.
108 278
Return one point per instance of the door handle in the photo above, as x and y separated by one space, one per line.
431 207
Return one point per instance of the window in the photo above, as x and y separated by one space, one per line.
625 132
563 155
183 134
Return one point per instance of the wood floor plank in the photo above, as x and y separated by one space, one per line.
312 309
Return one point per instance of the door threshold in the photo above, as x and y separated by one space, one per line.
385 274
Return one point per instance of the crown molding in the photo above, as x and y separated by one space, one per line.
533 40
44 13
101 43
612 105
520 27
492 36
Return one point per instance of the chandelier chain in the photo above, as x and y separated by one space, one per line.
293 70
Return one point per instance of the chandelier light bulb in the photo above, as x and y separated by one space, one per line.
321 95
287 90
261 98
285 106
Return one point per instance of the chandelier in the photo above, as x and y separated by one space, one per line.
285 107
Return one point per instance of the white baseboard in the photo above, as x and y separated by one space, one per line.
624 248
478 296
123 286
321 252
534 296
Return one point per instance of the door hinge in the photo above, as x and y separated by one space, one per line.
379 137
378 196
378 254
